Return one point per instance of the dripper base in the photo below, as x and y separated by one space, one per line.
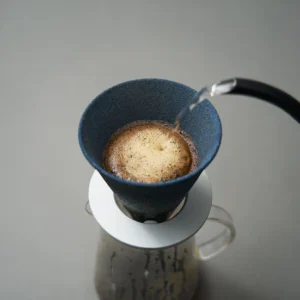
142 219
175 230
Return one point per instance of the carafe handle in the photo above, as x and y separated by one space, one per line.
220 242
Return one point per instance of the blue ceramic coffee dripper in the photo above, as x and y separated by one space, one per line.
148 99
159 99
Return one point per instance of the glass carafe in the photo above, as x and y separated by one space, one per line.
126 272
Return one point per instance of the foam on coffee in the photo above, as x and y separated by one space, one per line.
145 151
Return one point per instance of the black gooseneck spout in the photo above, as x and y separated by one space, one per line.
260 90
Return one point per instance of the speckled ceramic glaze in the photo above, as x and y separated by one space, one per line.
148 99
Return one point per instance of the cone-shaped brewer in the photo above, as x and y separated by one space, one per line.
148 99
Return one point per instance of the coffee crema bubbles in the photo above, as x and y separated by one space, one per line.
150 152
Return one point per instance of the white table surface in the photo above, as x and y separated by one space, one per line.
56 56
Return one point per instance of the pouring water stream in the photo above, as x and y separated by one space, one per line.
213 90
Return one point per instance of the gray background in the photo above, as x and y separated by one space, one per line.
56 56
